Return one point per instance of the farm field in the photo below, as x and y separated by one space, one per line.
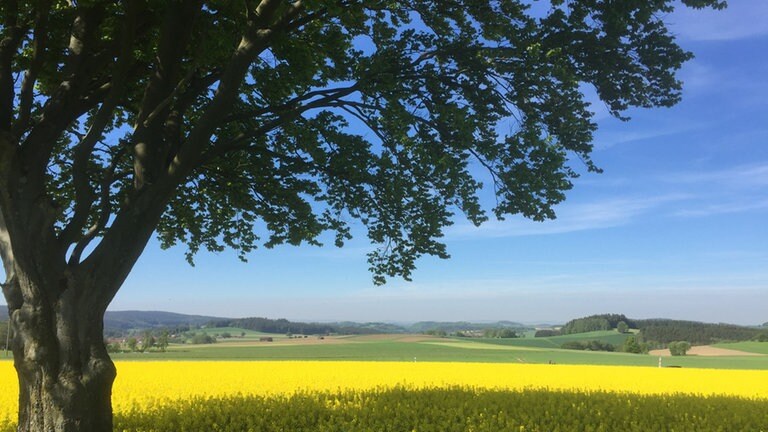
752 347
423 396
420 348
424 383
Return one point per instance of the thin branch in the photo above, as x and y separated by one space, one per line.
6 253
39 42
9 46
291 104
67 103
106 206
265 11
84 193
164 86
240 142
165 103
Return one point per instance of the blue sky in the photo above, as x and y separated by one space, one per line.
675 227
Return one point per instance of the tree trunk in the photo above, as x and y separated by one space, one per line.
65 374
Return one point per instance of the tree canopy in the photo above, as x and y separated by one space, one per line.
253 123
240 124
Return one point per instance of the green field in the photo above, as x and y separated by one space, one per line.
423 348
608 336
237 332
752 347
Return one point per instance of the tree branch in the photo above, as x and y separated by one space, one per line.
67 103
134 223
241 142
9 46
106 206
163 87
6 252
84 193
39 42
292 104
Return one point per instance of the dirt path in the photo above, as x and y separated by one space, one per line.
706 351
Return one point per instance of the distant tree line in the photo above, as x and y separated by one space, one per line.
281 325
502 333
592 345
547 333
461 326
660 332
597 323
267 325
697 333
4 334
147 340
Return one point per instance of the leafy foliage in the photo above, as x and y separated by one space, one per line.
597 322
593 345
449 409
678 348
217 125
632 346
622 327
697 333
4 334
282 326
584 325
547 333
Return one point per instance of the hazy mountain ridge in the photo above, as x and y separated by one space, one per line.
151 319
134 319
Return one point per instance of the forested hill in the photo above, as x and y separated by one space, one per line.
454 326
267 325
284 326
124 320
597 323
664 331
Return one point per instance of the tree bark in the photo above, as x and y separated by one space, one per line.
65 374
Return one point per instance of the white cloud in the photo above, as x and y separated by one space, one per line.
741 20
722 208
609 139
725 191
573 217
741 177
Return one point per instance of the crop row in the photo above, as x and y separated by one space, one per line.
390 396
449 409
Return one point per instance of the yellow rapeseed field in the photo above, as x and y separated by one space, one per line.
143 385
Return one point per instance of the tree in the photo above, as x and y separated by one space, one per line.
147 340
631 346
237 124
622 327
5 335
546 333
585 325
678 348
133 344
201 338
162 341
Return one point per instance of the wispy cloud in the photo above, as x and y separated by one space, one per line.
573 217
608 138
741 20
743 177
722 208
731 190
